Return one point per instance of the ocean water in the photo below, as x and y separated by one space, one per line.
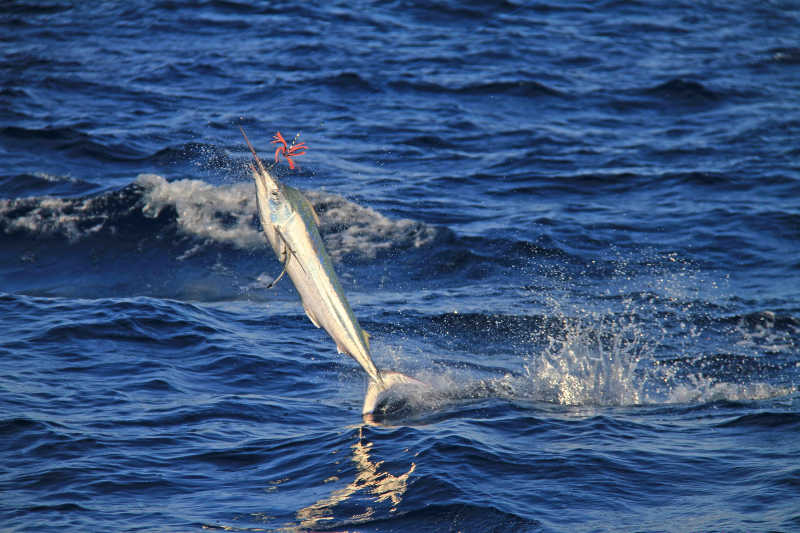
578 221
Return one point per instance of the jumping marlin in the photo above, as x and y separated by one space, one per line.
292 228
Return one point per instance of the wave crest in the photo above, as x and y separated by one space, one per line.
152 207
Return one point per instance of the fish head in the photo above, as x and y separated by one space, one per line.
270 194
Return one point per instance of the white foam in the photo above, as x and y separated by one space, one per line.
703 389
73 219
55 178
350 228
224 214
221 214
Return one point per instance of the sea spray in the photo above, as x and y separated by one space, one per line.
591 360
653 340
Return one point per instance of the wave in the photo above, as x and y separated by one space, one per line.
27 9
767 420
345 81
199 154
785 56
684 90
678 93
523 88
70 140
172 235
455 517
73 142
204 214
43 183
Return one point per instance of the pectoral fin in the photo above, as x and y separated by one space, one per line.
285 263
310 315
287 249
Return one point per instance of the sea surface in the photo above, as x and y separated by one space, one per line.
579 222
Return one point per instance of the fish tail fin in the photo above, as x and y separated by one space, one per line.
387 381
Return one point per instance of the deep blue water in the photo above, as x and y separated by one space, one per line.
579 221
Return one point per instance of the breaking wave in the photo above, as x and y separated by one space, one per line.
200 214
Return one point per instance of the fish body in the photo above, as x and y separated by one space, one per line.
292 229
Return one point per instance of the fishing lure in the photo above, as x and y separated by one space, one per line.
288 151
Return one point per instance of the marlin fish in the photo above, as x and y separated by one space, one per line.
292 228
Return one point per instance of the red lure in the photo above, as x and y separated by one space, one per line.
287 151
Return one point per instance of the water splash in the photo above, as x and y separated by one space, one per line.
645 354
665 336
592 360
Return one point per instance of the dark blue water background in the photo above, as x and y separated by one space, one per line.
579 221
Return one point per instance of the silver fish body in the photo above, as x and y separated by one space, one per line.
292 229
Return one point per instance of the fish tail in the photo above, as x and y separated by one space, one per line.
387 380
